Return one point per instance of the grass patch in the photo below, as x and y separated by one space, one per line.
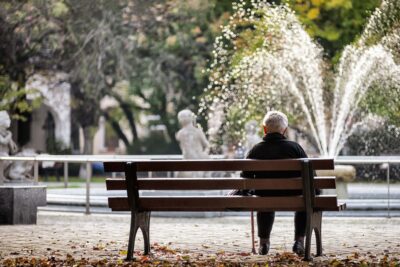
73 179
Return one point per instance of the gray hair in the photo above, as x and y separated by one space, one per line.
275 121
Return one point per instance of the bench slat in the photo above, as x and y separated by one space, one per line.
220 165
223 203
220 183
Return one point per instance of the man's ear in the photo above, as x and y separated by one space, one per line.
265 129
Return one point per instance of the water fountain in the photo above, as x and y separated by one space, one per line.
264 59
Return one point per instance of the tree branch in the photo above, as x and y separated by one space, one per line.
116 128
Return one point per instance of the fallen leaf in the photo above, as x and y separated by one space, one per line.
144 259
186 257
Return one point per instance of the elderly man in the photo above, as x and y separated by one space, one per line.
276 146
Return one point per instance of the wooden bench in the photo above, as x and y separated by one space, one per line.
141 206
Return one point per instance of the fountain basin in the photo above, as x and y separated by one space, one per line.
344 174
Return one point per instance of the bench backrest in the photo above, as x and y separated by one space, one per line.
307 183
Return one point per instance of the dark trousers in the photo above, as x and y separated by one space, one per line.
265 220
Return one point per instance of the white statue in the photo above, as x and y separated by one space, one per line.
192 140
22 170
17 170
252 137
7 145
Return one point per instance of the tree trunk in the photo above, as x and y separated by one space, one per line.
117 128
88 135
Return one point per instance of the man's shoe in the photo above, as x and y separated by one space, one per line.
298 248
263 249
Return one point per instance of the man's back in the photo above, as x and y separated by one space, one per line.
275 146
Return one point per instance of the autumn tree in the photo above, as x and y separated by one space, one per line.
27 43
173 44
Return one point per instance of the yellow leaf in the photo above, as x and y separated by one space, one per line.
171 40
123 252
313 13
316 2
186 257
59 9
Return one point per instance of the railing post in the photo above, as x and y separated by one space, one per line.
388 189
36 171
88 176
1 172
65 174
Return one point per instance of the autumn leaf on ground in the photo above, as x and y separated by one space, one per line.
165 249
144 259
244 254
186 257
221 252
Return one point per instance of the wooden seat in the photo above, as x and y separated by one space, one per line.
141 206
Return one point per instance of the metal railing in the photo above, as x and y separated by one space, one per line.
384 161
89 159
82 159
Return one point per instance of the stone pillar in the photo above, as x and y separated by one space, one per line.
18 203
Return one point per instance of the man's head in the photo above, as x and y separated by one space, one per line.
275 122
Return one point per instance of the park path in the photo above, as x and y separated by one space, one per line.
63 235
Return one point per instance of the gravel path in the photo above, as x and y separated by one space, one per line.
63 235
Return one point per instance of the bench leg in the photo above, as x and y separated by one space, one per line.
307 252
139 220
317 223
132 235
146 232
313 224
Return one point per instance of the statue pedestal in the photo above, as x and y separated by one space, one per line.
19 202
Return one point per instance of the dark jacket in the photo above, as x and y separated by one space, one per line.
275 146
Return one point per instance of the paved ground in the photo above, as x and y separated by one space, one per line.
73 236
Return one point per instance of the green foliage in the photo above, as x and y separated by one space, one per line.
383 28
59 9
334 24
172 52
25 39
55 147
13 99
383 22
379 139
159 47
385 104
154 144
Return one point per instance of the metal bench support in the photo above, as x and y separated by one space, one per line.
139 220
